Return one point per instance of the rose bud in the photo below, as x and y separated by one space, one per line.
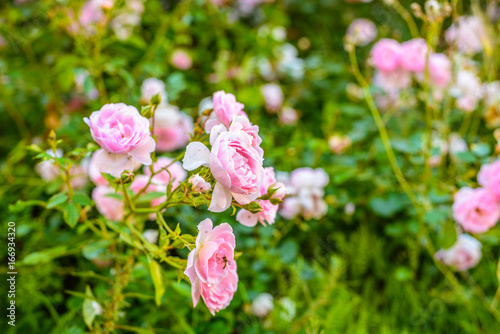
198 184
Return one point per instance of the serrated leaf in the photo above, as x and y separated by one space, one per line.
71 215
156 276
56 200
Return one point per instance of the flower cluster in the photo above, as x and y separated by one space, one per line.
306 189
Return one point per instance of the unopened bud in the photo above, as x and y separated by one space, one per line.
156 100
253 207
198 184
279 191
127 177
147 112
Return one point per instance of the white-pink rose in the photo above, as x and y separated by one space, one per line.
439 69
225 109
151 87
198 184
463 255
468 34
361 32
386 54
273 96
181 60
124 135
413 55
211 266
489 178
172 128
111 208
476 210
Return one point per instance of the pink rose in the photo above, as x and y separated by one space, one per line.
386 54
475 209
47 169
288 116
413 55
211 266
468 34
172 128
234 163
151 87
361 32
198 184
439 69
463 255
123 134
181 60
269 210
226 108
306 185
273 96
91 13
140 182
163 176
111 208
94 174
392 82
489 178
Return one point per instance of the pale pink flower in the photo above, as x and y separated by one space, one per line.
262 305
489 178
225 109
91 13
463 255
198 184
175 174
273 96
234 162
140 182
476 210
361 32
288 116
306 185
439 69
94 174
182 60
211 266
151 235
78 175
247 6
172 128
47 169
111 208
151 87
124 136
413 55
338 143
393 81
467 89
386 54
269 210
468 34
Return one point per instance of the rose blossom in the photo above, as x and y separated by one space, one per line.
489 178
91 13
468 33
392 82
273 96
262 305
361 32
175 171
181 60
211 266
234 162
111 208
47 169
414 55
467 89
123 134
152 86
463 255
288 116
172 128
475 209
198 184
439 69
386 54
225 109
269 210
307 187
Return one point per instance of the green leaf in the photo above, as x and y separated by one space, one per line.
388 205
89 312
21 205
466 157
45 256
56 200
71 215
82 199
156 276
481 149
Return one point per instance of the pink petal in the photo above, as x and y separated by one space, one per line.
245 199
143 152
114 164
197 154
221 198
247 218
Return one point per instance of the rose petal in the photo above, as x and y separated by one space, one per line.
221 198
114 164
143 152
197 154
247 218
